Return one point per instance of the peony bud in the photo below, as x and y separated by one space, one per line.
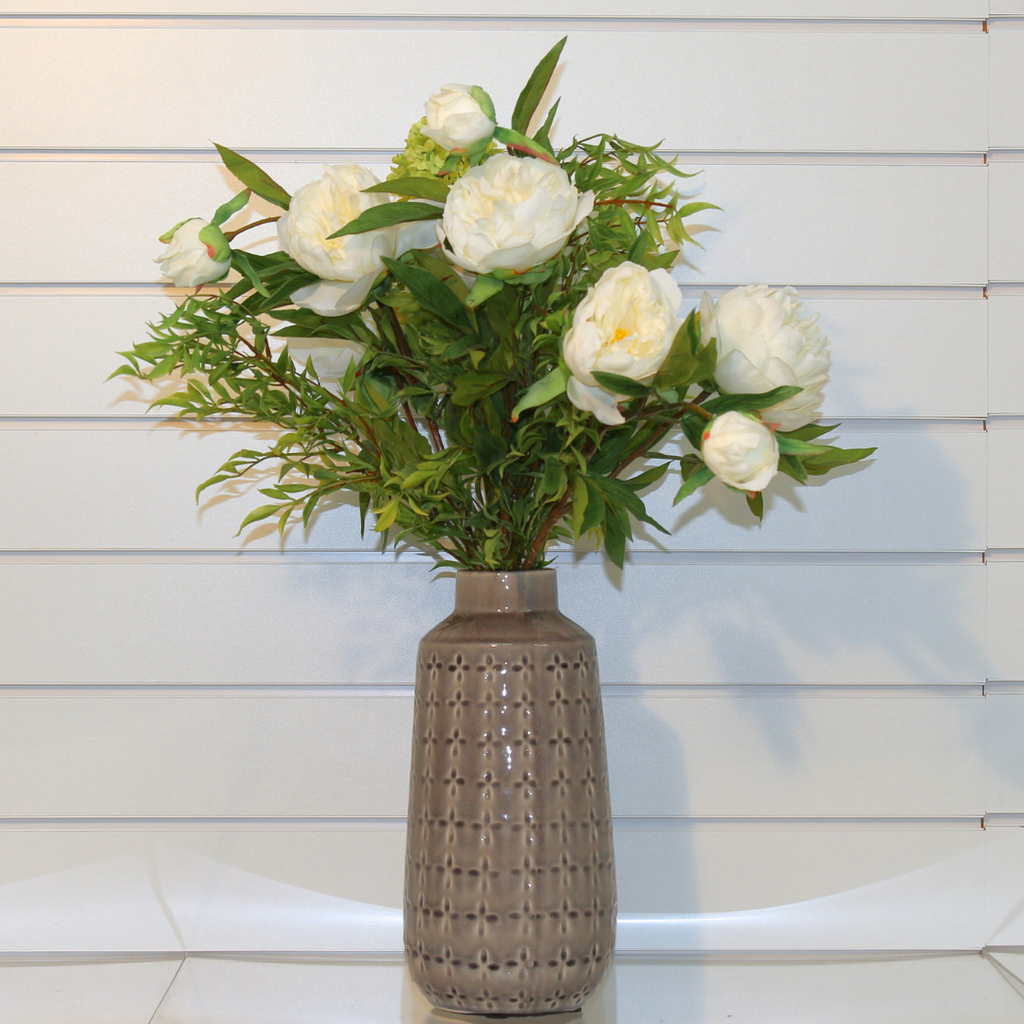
459 116
197 253
741 451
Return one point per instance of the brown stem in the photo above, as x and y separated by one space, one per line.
537 547
230 235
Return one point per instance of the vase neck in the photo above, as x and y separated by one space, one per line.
515 593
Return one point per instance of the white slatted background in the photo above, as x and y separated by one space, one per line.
203 739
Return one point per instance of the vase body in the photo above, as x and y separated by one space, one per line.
510 876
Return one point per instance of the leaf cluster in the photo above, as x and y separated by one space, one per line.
453 427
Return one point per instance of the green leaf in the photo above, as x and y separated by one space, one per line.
483 288
648 477
792 446
793 467
240 261
639 248
417 188
686 360
755 503
750 403
620 385
254 177
593 516
490 449
543 134
471 387
263 512
554 480
387 215
516 140
691 208
817 465
231 207
387 515
432 293
545 390
696 479
580 500
364 507
530 97
614 539
809 432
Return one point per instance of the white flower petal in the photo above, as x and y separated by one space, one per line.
603 404
334 298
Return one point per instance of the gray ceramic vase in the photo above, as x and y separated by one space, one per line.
509 877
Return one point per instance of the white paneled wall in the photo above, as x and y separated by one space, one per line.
203 738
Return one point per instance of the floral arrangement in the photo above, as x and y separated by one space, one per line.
487 347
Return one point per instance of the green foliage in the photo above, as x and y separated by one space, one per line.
454 426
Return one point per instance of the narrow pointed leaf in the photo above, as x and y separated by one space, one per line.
432 293
417 188
622 385
388 215
483 288
254 177
696 480
545 390
516 140
750 403
530 97
263 512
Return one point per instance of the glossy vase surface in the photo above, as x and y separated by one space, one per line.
510 876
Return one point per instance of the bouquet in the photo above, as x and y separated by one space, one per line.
488 347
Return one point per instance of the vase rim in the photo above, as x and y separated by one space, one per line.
515 592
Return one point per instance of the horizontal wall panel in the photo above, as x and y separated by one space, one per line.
824 9
181 622
680 870
136 489
1004 615
1005 753
947 990
112 90
921 891
1006 71
890 357
799 224
1005 486
1006 355
1006 222
229 756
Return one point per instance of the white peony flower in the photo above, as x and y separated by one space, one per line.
330 357
624 325
741 451
191 261
348 265
455 119
511 214
767 340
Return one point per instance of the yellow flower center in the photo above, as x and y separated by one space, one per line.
620 333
